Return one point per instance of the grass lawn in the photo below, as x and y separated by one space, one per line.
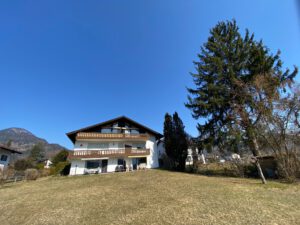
149 197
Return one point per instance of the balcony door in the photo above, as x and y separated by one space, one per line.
134 163
104 164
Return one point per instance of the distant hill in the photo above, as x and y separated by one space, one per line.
23 140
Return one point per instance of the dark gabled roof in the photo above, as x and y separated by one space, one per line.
9 149
72 134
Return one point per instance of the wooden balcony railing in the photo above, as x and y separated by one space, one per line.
122 152
93 135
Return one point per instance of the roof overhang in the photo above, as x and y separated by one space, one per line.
72 134
10 149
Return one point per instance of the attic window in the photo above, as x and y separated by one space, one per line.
121 124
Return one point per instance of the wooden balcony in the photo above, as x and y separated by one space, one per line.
94 135
122 152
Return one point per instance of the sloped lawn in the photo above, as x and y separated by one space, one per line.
149 197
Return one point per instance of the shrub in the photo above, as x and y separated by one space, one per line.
250 170
23 164
288 166
167 163
60 157
3 176
61 168
31 174
44 172
40 166
230 169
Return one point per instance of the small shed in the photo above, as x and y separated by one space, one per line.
269 165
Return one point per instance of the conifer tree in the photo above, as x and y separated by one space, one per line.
169 136
37 153
180 141
236 81
175 140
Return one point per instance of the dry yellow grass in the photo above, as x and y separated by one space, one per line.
149 197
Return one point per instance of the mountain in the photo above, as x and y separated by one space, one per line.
23 140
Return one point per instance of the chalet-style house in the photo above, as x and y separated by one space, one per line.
6 154
120 144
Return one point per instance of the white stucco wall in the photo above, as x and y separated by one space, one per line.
152 159
112 163
4 164
78 166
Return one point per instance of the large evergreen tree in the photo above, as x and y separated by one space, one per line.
176 142
37 153
236 81
169 136
180 141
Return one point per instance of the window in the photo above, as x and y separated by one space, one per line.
121 144
121 124
139 145
103 145
135 131
121 162
92 164
4 157
142 160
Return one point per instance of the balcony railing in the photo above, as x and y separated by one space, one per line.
122 152
91 135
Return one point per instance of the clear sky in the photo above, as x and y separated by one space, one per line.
65 65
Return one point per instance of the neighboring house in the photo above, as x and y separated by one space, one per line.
6 155
47 163
115 145
189 158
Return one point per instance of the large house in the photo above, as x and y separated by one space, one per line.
6 154
120 144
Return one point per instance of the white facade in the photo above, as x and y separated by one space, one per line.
4 158
47 163
6 155
134 150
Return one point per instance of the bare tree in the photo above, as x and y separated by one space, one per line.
280 134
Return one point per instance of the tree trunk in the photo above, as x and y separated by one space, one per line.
256 153
260 172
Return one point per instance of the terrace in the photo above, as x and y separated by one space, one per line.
121 152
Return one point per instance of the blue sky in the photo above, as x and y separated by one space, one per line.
69 64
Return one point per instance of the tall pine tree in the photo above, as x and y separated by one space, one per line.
176 142
236 81
37 153
169 136
181 142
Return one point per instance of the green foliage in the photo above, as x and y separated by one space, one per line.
176 143
236 81
37 153
23 164
169 136
61 168
40 166
60 157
